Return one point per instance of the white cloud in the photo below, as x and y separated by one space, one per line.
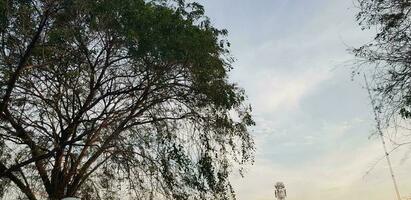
286 91
284 57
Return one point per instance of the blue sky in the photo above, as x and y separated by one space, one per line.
313 120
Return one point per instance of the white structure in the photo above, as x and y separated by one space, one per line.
71 198
280 191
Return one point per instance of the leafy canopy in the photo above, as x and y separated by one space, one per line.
115 99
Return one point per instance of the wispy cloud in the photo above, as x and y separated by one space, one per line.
285 91
312 122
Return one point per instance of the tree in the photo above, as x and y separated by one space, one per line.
389 52
389 57
117 99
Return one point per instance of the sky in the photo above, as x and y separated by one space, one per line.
314 120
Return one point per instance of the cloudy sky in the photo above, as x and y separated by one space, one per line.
313 120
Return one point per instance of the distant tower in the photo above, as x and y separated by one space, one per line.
280 191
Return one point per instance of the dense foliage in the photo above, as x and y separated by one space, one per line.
117 99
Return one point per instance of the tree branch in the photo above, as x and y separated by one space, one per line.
21 65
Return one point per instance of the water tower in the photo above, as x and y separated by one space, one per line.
280 191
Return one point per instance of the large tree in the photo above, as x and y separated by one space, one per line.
389 53
117 99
